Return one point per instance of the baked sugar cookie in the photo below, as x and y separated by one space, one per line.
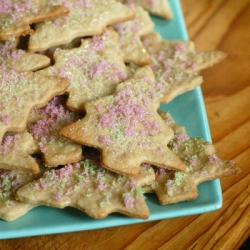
20 59
20 92
93 70
126 128
17 15
86 185
130 33
86 18
10 182
202 165
15 152
44 123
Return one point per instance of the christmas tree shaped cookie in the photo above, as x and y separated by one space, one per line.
86 185
86 18
126 128
202 165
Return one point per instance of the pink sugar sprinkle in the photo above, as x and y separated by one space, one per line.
128 202
181 47
99 175
160 171
8 7
168 64
130 108
9 143
43 184
17 53
181 137
169 185
6 50
97 43
193 162
37 185
105 139
17 182
98 69
57 22
213 159
101 186
58 196
193 66
82 4
130 184
77 165
64 172
6 120
53 116
145 165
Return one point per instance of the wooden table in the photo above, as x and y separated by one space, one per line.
223 25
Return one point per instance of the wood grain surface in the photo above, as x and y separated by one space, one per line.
211 24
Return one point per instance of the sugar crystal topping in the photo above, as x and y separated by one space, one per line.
12 11
171 61
128 120
49 120
6 51
10 182
9 143
89 181
16 87
92 72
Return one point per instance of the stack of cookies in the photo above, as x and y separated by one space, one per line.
81 84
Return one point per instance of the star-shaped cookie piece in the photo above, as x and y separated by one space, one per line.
17 15
180 54
10 182
94 69
20 59
15 152
126 128
91 188
22 91
202 165
86 18
130 33
44 123
175 64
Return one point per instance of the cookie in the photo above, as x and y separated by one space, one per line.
91 188
94 69
44 123
20 59
86 18
126 128
17 15
20 92
175 64
15 152
10 182
180 54
202 165
130 33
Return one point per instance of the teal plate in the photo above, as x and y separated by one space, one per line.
188 110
